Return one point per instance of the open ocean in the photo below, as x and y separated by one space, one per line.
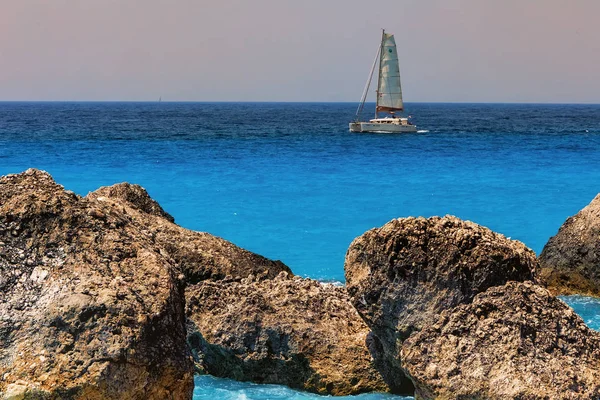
288 181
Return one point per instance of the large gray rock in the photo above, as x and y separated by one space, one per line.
292 331
401 276
512 342
90 308
570 261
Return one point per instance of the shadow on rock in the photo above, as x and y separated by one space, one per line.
288 330
569 261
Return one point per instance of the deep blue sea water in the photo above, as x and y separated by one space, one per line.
287 180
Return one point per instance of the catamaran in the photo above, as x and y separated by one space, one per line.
389 93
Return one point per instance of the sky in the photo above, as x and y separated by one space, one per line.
298 50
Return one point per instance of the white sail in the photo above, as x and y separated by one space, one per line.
389 91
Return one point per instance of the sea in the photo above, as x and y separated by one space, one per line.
290 182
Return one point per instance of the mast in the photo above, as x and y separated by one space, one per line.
379 77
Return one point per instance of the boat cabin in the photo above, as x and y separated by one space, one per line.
388 120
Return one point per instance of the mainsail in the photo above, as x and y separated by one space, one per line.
389 92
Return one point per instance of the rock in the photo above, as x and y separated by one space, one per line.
512 342
89 307
292 331
200 255
570 261
136 196
401 276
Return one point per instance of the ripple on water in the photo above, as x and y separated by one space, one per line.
587 307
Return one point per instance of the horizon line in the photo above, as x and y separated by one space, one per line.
291 102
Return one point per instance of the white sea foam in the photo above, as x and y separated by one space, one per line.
587 307
332 283
210 388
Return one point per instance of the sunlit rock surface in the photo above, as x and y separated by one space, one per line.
90 305
401 276
512 342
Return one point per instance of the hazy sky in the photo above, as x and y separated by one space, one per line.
298 50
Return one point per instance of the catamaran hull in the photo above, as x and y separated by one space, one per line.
381 128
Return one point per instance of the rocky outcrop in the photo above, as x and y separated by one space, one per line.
512 342
401 276
90 306
92 291
291 331
570 261
199 255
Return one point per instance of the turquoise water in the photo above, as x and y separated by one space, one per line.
290 182
587 307
210 388
287 180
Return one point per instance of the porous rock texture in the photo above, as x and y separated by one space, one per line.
570 261
512 342
401 276
90 307
286 330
